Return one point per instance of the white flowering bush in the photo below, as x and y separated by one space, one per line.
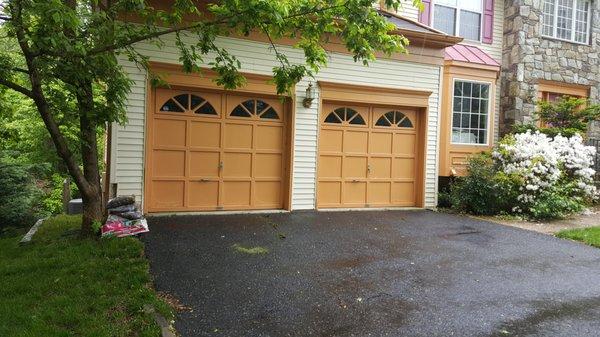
542 162
532 174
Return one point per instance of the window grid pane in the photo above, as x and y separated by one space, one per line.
470 25
470 116
564 19
445 19
548 18
581 21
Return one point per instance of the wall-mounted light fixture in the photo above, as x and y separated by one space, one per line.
310 96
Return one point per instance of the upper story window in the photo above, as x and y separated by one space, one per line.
567 20
462 18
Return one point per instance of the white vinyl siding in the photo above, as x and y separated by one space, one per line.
408 10
258 58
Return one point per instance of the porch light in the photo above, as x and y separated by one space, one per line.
310 96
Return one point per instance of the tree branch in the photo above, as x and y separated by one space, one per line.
278 56
37 94
16 87
197 25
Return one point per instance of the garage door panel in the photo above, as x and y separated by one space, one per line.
203 194
168 163
237 165
236 193
268 165
238 136
355 193
203 158
268 193
380 143
356 142
169 132
355 167
330 167
330 192
403 192
380 193
205 134
404 144
381 168
269 137
331 141
404 168
168 194
204 164
374 162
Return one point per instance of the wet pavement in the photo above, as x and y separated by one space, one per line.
375 273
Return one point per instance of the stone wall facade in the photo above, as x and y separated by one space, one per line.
528 57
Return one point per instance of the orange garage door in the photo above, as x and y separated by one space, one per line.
215 151
368 157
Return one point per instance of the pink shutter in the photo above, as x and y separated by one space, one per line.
488 21
425 15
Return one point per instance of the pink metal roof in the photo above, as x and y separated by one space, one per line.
470 54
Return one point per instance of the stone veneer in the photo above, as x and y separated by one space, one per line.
528 57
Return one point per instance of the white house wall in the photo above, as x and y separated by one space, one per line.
257 57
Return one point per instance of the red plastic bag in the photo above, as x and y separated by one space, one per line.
120 227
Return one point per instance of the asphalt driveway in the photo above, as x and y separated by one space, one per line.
394 273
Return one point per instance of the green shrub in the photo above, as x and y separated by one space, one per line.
568 115
557 203
52 202
528 174
483 191
18 195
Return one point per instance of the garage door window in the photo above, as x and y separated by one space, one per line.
184 102
256 108
394 118
470 113
345 115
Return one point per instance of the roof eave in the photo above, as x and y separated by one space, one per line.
430 39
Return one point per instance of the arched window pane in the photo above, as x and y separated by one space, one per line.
249 104
332 118
184 100
171 106
239 111
196 101
270 114
206 109
358 120
382 121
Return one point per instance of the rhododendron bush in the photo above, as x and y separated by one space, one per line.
530 174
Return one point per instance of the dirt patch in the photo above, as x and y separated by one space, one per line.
589 218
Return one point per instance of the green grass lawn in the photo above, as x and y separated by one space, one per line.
60 285
590 236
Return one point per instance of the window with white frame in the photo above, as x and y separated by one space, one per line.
567 20
470 112
462 18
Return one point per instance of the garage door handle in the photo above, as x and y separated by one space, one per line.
354 181
369 168
221 165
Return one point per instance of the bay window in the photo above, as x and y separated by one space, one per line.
458 17
470 112
567 20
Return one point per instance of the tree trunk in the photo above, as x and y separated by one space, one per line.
93 211
93 208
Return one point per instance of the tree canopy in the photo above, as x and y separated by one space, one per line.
64 55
